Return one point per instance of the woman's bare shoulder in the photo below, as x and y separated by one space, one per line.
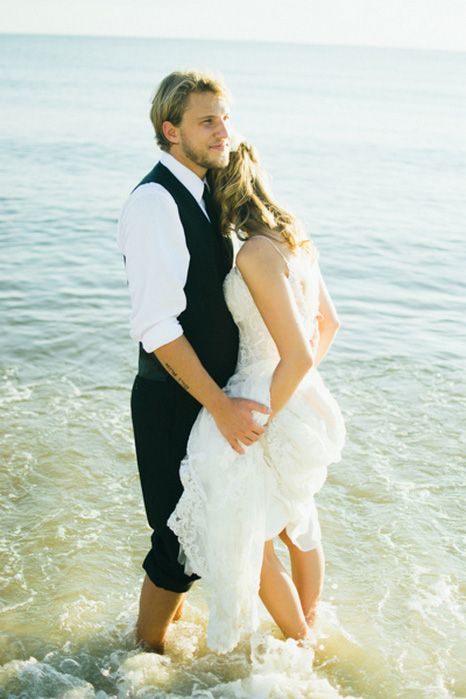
260 252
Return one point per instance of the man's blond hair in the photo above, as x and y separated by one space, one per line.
171 98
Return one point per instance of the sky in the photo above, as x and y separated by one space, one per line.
422 24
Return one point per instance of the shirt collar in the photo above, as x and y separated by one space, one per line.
187 177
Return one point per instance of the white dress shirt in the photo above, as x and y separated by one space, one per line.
151 237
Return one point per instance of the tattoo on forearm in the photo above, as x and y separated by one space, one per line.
171 371
175 376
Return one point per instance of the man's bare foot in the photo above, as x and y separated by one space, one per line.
158 648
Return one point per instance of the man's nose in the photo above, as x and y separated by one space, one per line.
223 130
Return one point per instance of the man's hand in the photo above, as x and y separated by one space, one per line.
234 419
233 416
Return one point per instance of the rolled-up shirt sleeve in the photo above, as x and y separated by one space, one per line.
152 240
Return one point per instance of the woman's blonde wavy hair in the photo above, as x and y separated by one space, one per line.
245 205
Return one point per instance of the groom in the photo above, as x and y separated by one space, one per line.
176 261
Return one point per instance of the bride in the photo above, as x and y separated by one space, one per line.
234 505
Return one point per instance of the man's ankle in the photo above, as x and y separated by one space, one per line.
150 647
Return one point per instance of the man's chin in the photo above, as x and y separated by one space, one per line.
219 161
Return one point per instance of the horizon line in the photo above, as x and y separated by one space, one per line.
234 40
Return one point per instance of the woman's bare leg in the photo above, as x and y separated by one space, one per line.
280 596
307 570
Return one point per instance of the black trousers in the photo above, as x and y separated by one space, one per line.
163 414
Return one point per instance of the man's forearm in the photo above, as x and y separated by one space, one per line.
233 416
182 363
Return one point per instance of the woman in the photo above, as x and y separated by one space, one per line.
234 505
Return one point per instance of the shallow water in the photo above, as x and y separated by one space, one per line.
366 146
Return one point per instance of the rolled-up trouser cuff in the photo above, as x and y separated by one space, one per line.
162 578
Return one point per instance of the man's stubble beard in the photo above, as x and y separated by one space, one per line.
201 158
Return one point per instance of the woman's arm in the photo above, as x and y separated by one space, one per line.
265 273
328 321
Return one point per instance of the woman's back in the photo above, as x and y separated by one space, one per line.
256 343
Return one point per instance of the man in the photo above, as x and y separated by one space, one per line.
176 261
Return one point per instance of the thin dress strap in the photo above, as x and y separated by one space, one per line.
276 248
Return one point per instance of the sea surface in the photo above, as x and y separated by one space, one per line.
367 147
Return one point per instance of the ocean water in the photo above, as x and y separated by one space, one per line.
367 147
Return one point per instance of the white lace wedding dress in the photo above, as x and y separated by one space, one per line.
232 503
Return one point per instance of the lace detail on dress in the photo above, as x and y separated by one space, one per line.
256 343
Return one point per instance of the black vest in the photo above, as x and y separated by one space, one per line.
206 321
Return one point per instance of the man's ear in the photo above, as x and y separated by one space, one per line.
170 132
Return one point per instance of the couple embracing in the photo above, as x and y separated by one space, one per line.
233 426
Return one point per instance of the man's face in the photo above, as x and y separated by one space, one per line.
203 136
